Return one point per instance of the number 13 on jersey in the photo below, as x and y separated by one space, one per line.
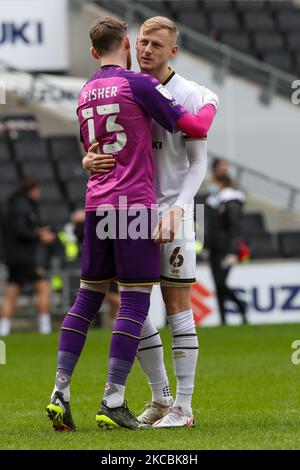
111 126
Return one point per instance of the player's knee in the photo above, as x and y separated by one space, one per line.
176 299
135 300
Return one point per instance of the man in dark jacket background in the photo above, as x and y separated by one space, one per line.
24 233
223 232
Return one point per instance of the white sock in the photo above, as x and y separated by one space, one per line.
185 354
44 323
114 395
5 325
62 385
151 359
65 392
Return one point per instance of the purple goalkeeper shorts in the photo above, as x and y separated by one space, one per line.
122 255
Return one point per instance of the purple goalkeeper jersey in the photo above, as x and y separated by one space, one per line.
115 108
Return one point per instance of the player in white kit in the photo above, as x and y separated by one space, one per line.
180 167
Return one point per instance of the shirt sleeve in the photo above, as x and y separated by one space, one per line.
197 98
156 101
197 155
193 102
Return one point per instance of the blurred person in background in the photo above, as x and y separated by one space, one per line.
219 168
224 214
24 233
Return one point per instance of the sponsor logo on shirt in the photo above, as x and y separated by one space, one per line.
156 145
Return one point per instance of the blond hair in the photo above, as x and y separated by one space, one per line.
160 22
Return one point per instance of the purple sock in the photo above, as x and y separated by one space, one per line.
75 327
126 335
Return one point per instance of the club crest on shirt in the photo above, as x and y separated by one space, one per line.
175 272
163 91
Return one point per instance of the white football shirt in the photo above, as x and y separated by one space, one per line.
170 157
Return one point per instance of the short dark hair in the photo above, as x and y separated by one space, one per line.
107 34
216 162
29 182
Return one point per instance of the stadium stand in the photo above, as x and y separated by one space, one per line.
56 161
4 151
55 214
267 30
29 149
63 148
289 243
263 246
253 223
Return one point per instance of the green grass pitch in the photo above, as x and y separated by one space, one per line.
247 393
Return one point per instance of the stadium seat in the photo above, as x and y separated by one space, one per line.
195 21
280 59
249 5
216 5
5 154
8 172
51 193
76 193
115 6
159 6
276 5
289 243
9 180
71 171
55 215
42 170
289 20
263 246
258 21
188 6
64 148
7 189
29 149
293 41
239 41
224 21
267 42
253 223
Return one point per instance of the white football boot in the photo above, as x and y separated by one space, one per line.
154 411
175 418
